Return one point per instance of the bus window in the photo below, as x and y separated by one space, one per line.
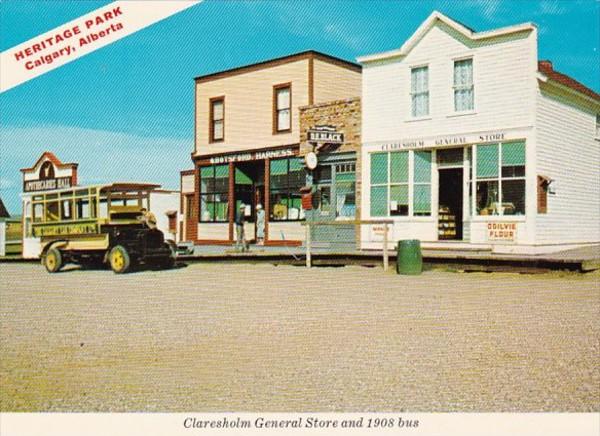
38 212
66 210
52 211
83 208
103 208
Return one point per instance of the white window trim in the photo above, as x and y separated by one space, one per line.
475 217
410 216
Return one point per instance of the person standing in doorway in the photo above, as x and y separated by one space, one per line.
260 225
240 219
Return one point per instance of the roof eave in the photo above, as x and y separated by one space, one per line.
426 26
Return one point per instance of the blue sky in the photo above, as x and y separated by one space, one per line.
125 112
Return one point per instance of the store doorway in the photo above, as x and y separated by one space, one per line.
249 190
450 212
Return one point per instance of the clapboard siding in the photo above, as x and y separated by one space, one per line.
504 77
568 153
334 83
249 108
213 231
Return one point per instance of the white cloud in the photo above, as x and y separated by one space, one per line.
103 156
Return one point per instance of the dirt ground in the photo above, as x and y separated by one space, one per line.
243 337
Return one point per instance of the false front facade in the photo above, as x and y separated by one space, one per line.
468 138
247 141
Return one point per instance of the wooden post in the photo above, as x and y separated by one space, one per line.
308 259
385 247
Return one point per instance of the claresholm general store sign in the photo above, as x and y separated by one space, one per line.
445 141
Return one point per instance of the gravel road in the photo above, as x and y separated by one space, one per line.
244 337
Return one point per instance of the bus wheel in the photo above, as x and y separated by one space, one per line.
119 259
53 260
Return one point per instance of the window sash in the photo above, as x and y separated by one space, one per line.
379 168
379 200
286 177
283 98
282 108
283 119
396 183
214 193
217 120
463 85
500 181
419 88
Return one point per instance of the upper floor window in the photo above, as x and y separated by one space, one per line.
217 119
598 126
419 90
463 85
282 103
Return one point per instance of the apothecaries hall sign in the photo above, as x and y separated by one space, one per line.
49 174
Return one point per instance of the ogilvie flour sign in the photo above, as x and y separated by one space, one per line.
498 231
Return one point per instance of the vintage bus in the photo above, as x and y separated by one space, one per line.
94 225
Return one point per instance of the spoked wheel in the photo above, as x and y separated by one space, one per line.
53 260
119 259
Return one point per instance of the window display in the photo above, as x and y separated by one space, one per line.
214 198
287 176
500 174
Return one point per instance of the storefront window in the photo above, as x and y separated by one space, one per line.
396 182
379 184
500 186
286 178
399 183
345 190
422 184
214 189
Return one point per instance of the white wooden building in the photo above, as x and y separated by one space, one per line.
470 141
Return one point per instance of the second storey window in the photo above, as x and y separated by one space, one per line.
463 85
282 103
217 119
419 90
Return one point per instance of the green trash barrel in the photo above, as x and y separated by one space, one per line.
409 260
